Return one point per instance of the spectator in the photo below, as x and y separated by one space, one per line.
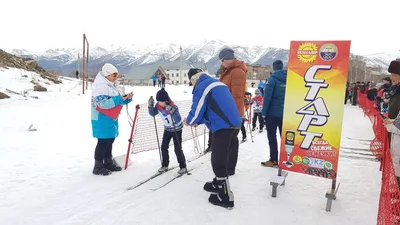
274 99
234 77
106 104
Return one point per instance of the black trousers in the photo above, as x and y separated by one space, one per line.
224 155
177 137
103 149
272 124
209 138
154 83
260 120
243 130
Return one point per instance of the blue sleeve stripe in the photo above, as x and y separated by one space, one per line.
200 104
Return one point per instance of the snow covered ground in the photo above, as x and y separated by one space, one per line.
46 178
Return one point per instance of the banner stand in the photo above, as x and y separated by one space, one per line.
331 195
278 180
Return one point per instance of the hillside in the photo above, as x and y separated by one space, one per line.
26 71
128 56
8 60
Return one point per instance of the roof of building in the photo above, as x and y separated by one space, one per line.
142 72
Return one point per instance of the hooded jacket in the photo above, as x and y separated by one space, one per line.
234 77
105 96
213 105
274 94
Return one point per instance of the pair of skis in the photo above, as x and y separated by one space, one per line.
199 155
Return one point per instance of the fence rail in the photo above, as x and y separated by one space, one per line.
389 199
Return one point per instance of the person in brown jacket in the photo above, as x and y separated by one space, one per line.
234 77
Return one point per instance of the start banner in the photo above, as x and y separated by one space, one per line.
314 104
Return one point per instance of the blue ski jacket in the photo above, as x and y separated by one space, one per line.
213 105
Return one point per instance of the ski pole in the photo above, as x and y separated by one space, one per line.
155 126
179 143
196 148
197 138
248 124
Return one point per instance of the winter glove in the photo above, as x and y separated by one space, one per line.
170 109
151 102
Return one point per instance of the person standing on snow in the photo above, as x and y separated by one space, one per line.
172 129
106 104
154 79
257 102
214 106
234 77
274 99
261 87
394 93
247 105
393 126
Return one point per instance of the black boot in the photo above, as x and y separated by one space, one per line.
224 197
111 165
99 169
211 186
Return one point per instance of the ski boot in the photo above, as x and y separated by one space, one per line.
211 186
224 197
163 169
99 169
111 165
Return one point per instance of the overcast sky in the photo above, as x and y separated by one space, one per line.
372 25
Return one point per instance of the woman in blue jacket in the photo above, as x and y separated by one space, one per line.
106 104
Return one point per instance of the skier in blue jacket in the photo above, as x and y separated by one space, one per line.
274 99
214 106
173 125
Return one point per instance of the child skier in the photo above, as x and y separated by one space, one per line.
173 129
257 108
247 104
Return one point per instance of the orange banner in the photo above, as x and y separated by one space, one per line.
313 110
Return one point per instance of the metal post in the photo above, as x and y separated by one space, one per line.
330 195
83 66
87 63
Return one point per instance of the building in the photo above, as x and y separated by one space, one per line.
256 72
172 69
141 75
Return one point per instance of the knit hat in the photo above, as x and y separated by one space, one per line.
191 73
257 92
394 67
226 54
162 96
108 69
277 65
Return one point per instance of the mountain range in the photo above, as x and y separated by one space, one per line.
125 57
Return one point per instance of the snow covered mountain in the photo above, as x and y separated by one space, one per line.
125 57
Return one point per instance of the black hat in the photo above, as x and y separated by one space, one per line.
394 67
387 79
192 72
162 96
277 65
226 54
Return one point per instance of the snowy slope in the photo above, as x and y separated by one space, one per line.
46 175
